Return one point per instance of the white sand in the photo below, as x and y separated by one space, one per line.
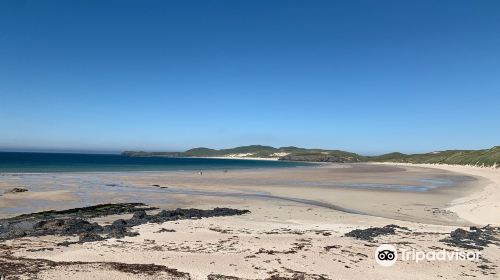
284 238
481 207
243 156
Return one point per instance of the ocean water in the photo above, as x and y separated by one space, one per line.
13 162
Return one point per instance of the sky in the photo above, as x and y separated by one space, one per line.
364 76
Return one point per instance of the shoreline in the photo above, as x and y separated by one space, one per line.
480 207
322 184
473 202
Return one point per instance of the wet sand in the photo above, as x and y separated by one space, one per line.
409 193
295 228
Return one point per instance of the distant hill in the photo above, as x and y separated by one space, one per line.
259 151
487 157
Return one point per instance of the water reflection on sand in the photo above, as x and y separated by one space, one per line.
335 188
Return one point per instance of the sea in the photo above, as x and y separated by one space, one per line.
24 162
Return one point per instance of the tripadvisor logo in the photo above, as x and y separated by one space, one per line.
387 255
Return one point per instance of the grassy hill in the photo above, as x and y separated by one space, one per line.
487 157
283 153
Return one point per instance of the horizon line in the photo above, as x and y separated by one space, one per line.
118 152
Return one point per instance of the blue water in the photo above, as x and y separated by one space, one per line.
57 162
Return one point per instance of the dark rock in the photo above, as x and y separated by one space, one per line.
17 190
139 215
12 267
120 233
158 186
89 237
119 223
165 230
328 248
222 277
65 226
18 233
475 238
370 233
99 210
163 213
73 221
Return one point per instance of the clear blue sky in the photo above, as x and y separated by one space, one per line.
364 76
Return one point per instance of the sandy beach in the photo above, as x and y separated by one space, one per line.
481 207
300 224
